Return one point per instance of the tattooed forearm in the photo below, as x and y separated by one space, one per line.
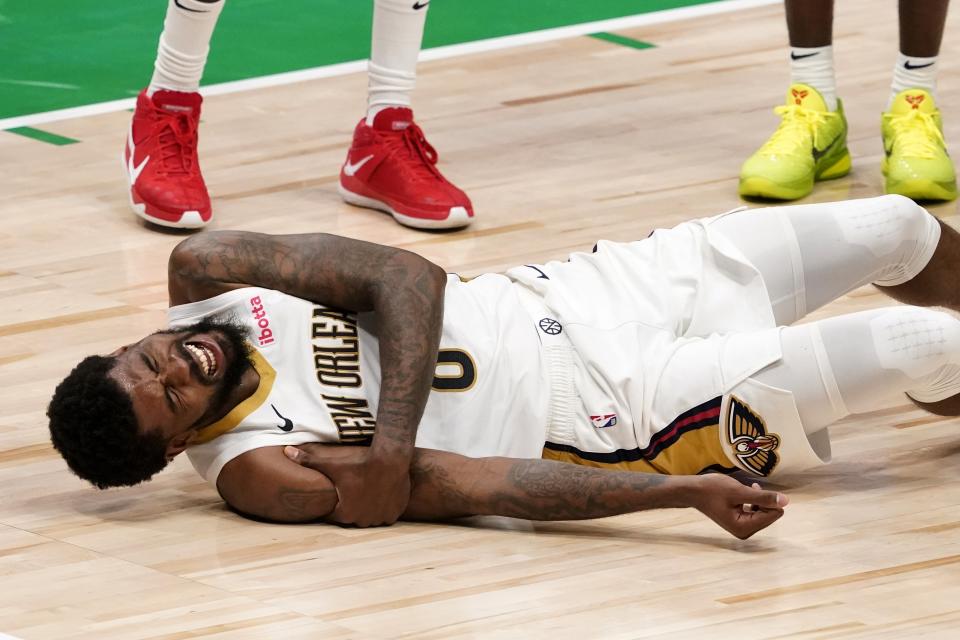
438 490
339 272
319 267
545 490
404 290
411 322
446 485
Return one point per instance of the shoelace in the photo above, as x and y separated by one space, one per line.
412 144
917 134
177 134
797 123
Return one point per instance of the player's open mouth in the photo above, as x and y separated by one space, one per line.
205 356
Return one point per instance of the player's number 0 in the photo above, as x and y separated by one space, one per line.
456 371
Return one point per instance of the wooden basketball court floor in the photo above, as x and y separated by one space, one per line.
558 144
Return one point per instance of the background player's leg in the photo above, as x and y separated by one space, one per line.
810 143
809 255
809 22
866 361
395 45
936 284
921 27
184 45
916 163
810 26
163 171
391 166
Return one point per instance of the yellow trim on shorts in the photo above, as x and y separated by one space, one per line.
692 453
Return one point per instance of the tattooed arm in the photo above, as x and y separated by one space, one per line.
403 289
447 485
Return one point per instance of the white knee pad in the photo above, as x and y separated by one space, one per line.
892 227
923 345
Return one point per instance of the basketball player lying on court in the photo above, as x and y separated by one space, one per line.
671 355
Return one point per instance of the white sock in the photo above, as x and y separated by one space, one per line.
392 71
913 73
813 66
184 44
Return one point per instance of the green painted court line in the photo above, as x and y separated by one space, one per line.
625 41
42 136
59 54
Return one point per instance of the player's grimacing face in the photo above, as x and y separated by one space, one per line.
182 380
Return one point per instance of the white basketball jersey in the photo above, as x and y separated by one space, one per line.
320 375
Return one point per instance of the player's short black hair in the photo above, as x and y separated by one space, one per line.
93 426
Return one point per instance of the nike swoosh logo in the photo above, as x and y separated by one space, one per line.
794 56
907 65
817 154
287 422
177 2
420 5
135 171
351 168
542 274
887 151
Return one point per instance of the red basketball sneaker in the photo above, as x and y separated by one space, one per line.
392 167
160 159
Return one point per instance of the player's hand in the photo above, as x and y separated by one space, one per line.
371 490
739 509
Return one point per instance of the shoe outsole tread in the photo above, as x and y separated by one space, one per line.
457 217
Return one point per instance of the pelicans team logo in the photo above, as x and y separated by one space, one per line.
754 448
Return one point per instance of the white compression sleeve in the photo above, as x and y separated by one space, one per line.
867 361
811 254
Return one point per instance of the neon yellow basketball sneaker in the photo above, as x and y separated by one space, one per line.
809 145
916 162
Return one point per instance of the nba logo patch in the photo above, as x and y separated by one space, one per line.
604 420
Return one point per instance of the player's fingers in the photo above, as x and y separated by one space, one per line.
762 498
343 519
342 515
336 515
766 517
754 521
297 455
327 466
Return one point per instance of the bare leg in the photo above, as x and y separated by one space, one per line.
936 284
921 25
867 361
810 22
